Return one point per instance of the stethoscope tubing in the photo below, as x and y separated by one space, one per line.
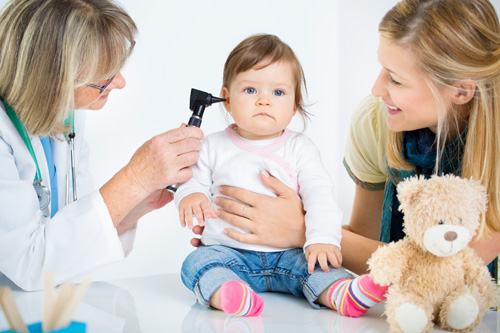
43 193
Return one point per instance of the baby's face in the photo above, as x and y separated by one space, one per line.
262 100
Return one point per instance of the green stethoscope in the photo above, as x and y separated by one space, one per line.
42 192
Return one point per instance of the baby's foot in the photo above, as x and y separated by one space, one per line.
353 297
238 299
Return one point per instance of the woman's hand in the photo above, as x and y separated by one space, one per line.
139 187
277 222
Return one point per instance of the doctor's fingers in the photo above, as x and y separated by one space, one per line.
178 176
183 133
177 148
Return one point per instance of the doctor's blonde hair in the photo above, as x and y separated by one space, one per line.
452 41
48 48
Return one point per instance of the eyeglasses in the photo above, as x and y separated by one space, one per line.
101 88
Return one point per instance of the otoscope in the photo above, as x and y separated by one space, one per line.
198 101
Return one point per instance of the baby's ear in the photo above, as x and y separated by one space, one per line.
409 191
225 95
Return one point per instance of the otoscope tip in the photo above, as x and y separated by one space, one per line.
214 99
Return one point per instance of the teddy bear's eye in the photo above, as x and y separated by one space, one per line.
440 222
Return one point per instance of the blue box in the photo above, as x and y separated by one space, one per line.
74 327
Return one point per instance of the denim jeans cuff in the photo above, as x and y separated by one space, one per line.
210 281
319 281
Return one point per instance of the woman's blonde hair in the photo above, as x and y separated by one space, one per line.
269 48
454 40
48 48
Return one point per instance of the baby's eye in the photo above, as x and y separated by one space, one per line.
440 222
278 93
460 221
250 90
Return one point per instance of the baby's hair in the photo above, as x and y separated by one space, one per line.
269 49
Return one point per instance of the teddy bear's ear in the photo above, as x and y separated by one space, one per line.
409 190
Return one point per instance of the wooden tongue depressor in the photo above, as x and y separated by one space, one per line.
65 316
49 299
64 294
11 311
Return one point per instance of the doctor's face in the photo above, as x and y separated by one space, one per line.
89 97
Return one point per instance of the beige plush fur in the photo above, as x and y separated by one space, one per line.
440 209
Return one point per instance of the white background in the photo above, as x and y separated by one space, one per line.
183 45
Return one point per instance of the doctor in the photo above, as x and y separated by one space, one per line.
57 56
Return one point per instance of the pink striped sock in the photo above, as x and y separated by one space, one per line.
238 299
353 297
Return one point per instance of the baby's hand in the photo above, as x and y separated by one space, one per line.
196 204
323 253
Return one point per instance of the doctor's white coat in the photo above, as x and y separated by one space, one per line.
79 238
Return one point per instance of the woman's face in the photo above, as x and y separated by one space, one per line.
89 98
410 102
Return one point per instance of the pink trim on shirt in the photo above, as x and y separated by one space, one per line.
267 151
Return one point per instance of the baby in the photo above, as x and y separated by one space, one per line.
262 85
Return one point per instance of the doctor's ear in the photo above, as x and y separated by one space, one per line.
225 95
464 91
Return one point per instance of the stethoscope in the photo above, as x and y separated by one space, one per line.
42 192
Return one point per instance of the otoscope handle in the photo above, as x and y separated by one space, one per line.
198 101
195 119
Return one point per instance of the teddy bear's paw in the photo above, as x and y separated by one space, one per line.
411 318
462 312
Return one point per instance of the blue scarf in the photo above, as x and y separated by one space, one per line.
419 149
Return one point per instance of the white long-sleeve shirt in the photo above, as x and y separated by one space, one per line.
80 237
228 159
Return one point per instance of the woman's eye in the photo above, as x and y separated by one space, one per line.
250 90
396 83
278 93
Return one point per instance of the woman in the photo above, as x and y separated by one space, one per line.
434 109
57 56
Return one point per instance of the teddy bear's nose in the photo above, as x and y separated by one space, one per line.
450 236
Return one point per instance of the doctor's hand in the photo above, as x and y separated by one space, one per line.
277 222
139 187
166 159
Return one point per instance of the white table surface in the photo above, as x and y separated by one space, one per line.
163 304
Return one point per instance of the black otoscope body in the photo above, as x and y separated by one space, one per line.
198 101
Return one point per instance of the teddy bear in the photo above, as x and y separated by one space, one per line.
432 274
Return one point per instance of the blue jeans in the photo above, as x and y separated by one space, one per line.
208 267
